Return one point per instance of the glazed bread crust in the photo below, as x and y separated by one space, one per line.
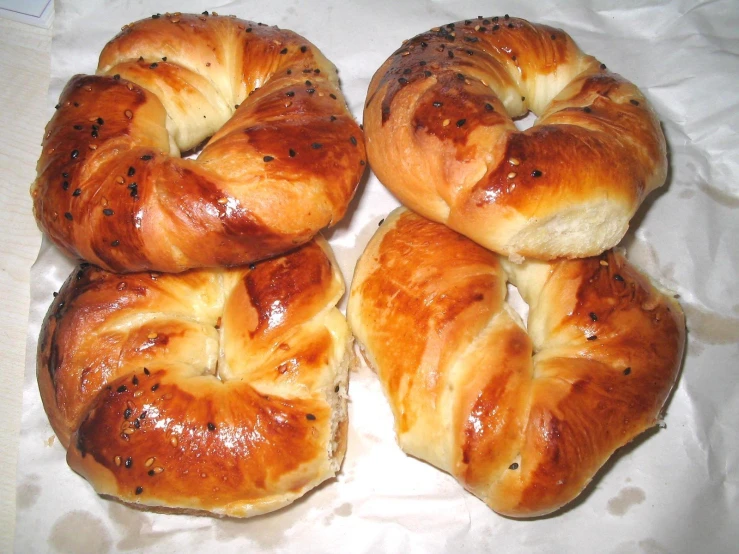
283 160
522 416
440 136
216 391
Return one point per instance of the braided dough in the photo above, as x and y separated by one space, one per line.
220 391
440 136
523 418
112 189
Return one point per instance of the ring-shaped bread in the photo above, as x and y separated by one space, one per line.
522 416
283 161
440 135
219 391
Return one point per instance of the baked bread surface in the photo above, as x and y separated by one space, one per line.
440 135
523 415
218 391
283 159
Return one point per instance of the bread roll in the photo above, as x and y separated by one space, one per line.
283 160
523 415
440 135
210 391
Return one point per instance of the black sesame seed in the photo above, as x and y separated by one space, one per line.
495 19
381 222
154 387
333 96
422 62
510 25
137 424
634 102
627 371
427 73
76 104
310 90
78 127
55 294
552 37
602 66
506 17
115 243
205 12
122 388
617 277
116 77
362 162
283 51
74 154
310 417
308 83
316 146
156 16
586 109
593 316
65 175
461 122
94 133
164 58
460 76
127 413
332 118
489 107
514 465
146 371
303 49
450 53
143 415
151 473
131 171
469 52
139 490
353 140
135 381
316 71
154 65
407 71
252 266
128 463
593 337
108 211
291 153
57 107
77 192
65 185
403 81
268 158
496 27
290 94
336 388
471 39
513 58
211 426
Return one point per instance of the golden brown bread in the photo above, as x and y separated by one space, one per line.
220 391
440 136
112 189
522 419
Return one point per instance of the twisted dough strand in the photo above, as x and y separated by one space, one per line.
283 161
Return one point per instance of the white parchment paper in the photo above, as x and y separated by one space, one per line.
672 490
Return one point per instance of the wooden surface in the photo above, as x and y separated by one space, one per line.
24 80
